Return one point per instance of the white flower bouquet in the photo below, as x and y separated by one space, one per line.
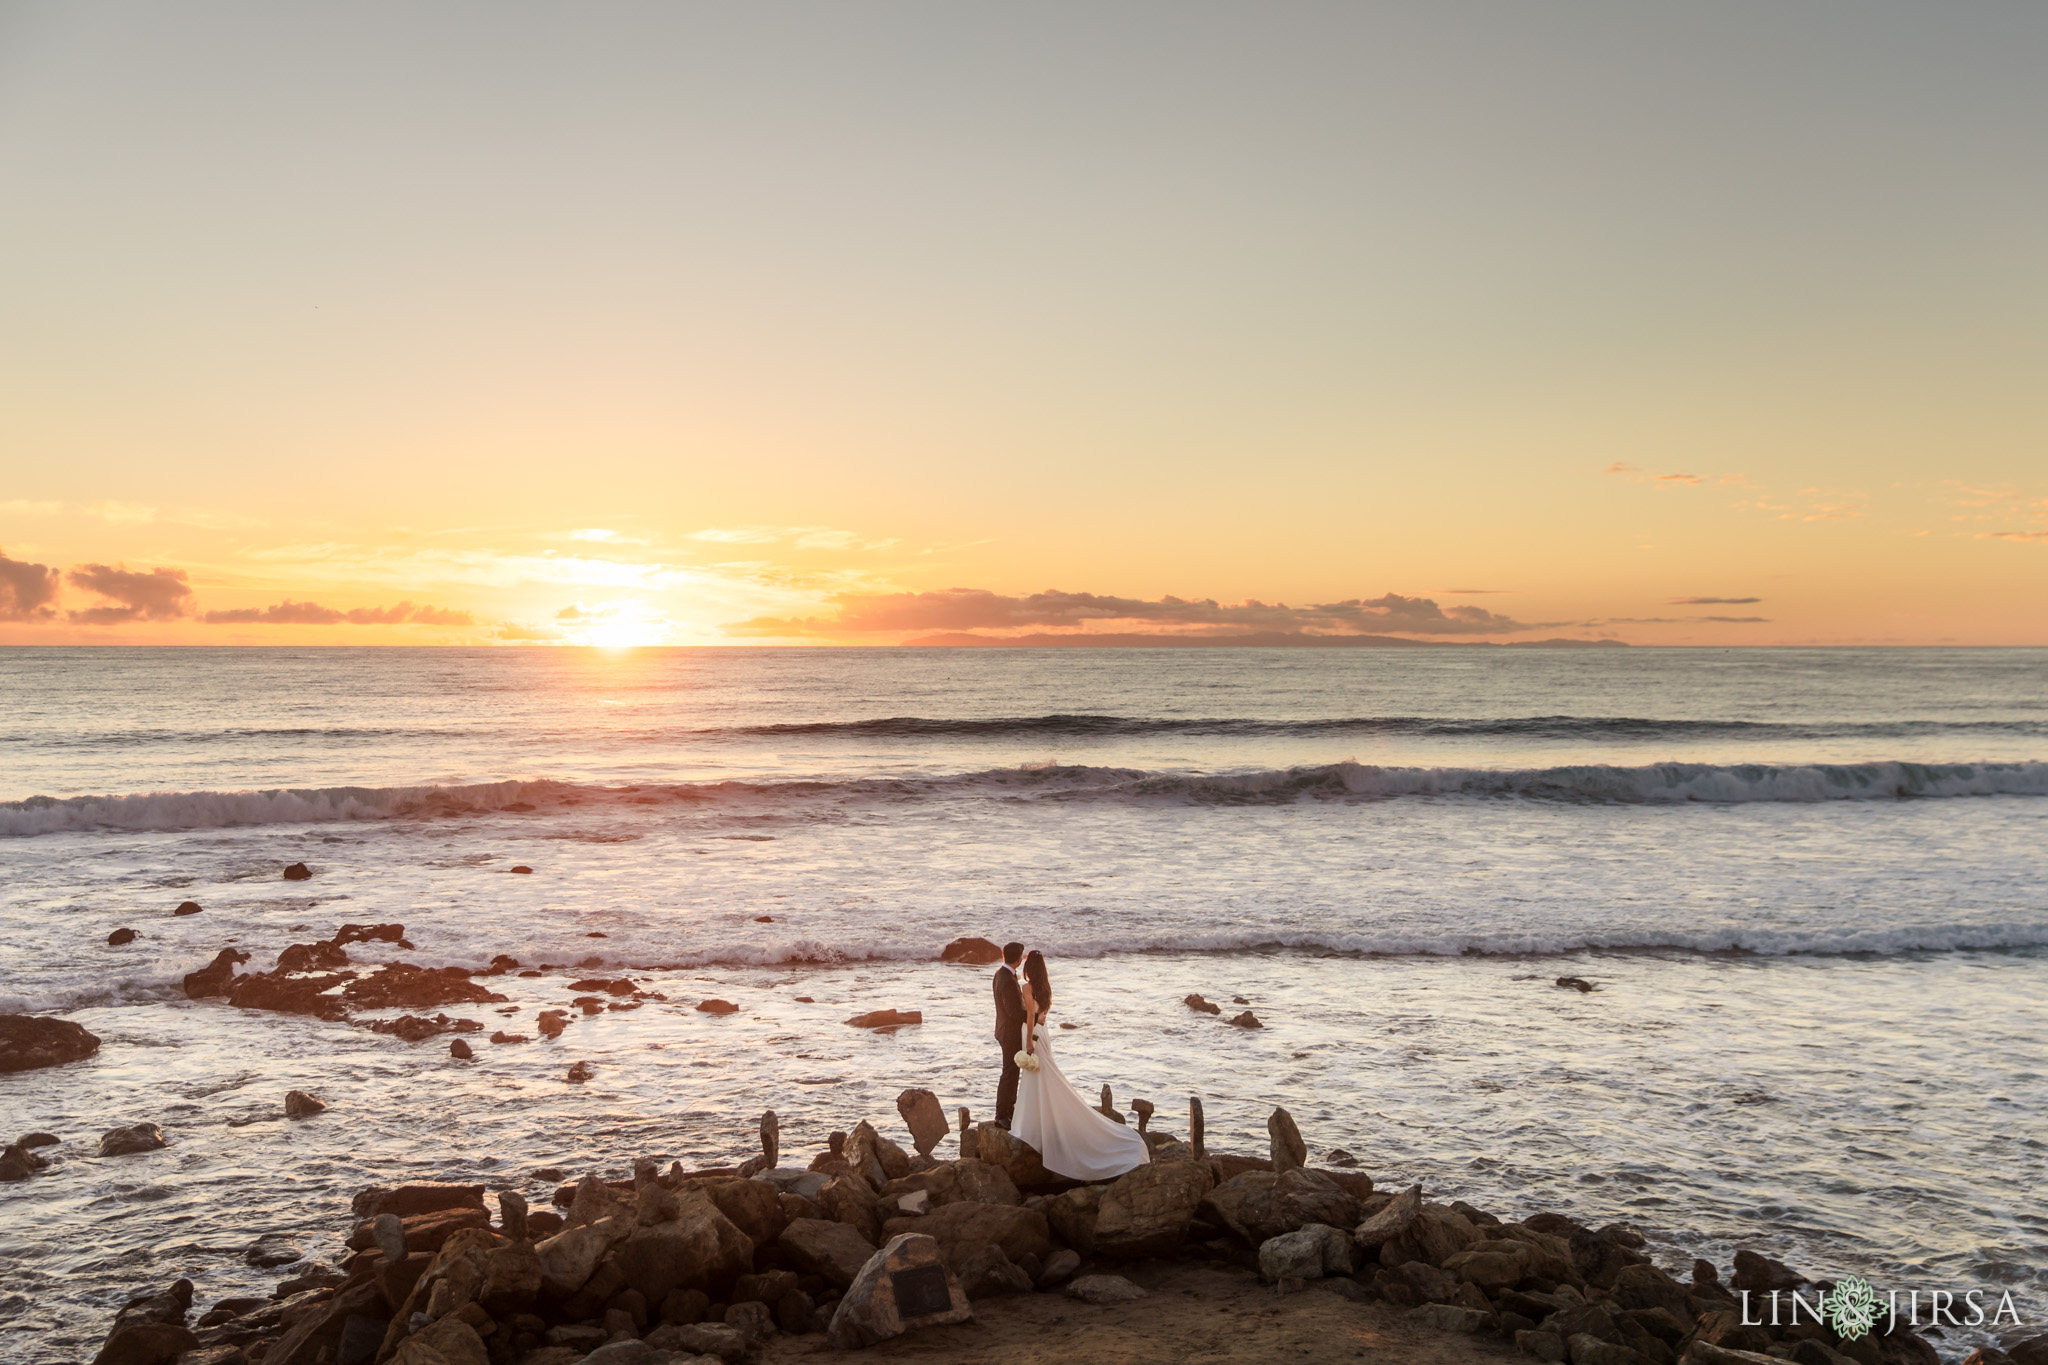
1026 1061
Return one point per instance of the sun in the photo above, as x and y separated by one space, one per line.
625 634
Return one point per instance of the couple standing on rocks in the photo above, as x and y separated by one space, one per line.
1034 1098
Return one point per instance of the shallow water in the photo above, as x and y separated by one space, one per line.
1818 1029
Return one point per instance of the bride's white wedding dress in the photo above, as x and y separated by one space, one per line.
1072 1137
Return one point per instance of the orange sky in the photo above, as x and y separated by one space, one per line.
1488 321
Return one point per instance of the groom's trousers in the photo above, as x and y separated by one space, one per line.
1006 1088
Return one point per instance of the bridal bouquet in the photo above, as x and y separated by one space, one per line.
1027 1061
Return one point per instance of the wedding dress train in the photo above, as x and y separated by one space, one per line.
1073 1138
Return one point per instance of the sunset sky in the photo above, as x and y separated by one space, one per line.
865 322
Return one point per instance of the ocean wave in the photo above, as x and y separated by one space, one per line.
1603 784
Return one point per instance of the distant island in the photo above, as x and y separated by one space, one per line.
1263 639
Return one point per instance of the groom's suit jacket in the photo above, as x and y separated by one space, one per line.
1009 1010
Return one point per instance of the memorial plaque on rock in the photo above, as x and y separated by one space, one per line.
920 1291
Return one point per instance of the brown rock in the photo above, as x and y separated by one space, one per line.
312 957
1012 1155
451 1341
420 1196
1259 1205
1434 1236
828 1249
1147 1212
1196 1002
717 1007
461 1051
701 1249
552 1022
1196 1129
1289 1151
150 1330
503 1037
1645 1286
1760 1274
1391 1220
887 1019
121 936
299 1105
140 1137
313 1333
923 1116
851 1200
369 933
985 1273
903 1287
975 952
188 908
298 872
959 1228
28 1042
579 1073
1724 1328
752 1205
400 985
216 977
423 1232
1247 1020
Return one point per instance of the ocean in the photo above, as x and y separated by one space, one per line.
1805 884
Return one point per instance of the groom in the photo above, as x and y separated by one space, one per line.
1009 1029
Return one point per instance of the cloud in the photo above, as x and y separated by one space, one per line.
159 595
2038 537
1738 620
26 590
1714 601
20 507
978 609
512 630
1680 478
1621 467
290 613
122 512
577 613
593 533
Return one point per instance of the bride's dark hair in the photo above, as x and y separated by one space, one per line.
1041 984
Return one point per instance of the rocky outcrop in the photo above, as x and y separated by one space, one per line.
975 952
1308 1253
150 1330
1202 1006
298 872
830 1250
419 1196
29 1042
887 1019
1289 1151
122 936
299 1105
1148 1211
960 1228
1260 1205
140 1137
216 976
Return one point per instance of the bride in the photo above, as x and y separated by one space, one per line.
1073 1138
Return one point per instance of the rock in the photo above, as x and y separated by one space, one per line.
754 1321
272 1249
1247 1020
1196 1002
512 1214
312 957
771 1138
216 977
422 1231
451 1341
701 1249
1260 1205
552 1022
1059 1267
1015 1157
1436 1234
880 1019
19 1163
299 1105
1289 1151
503 1037
1309 1253
150 1330
522 869
1574 983
387 1234
568 1258
752 1206
1449 1317
400 985
922 1114
141 1137
903 1287
579 1073
188 908
1760 1274
1725 1328
1545 1346
1195 1129
1492 1266
121 936
1706 1353
29 1042
959 1228
461 1051
2031 1351
984 1273
717 1007
828 1249
420 1196
1103 1290
32 1140
1144 1110
1147 1211
701 1339
975 952
1645 1286
1590 1350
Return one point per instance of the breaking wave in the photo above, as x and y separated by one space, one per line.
1601 784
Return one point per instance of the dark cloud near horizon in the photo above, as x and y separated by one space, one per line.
159 595
978 609
1715 601
27 591
290 613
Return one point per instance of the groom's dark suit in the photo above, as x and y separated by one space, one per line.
1009 1037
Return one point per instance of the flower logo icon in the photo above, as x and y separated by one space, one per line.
1852 1307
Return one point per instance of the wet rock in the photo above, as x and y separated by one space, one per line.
826 1248
1104 1290
416 1197
283 993
885 1019
272 1249
1760 1274
299 1105
18 1162
904 1287
1148 1211
522 869
369 933
140 1137
924 1117
1307 1253
33 1140
1289 1151
1574 983
28 1042
1260 1205
503 1037
2031 1351
312 957
461 1051
1247 1020
579 1073
1196 1002
609 986
121 936
552 1022
298 872
717 1007
401 985
150 1330
215 977
188 908
975 952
